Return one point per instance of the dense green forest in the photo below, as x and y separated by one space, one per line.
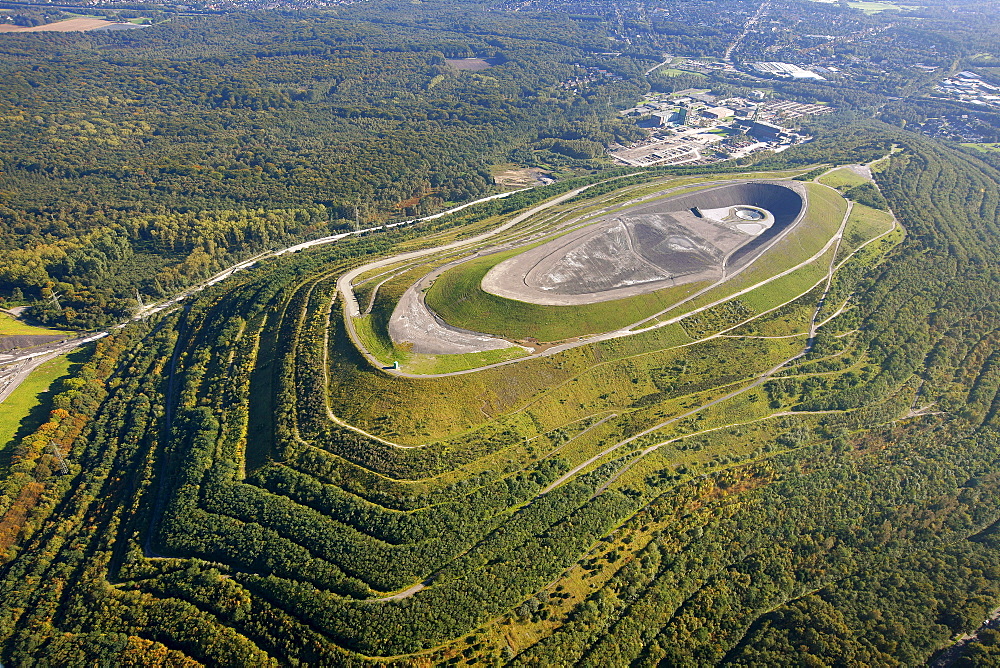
213 513
244 488
144 161
139 162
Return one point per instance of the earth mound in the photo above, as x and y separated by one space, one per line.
692 237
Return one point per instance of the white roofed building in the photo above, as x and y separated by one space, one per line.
785 71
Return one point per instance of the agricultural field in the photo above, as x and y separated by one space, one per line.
983 147
469 64
80 24
876 6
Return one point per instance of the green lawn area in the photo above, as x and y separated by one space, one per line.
876 7
863 224
985 148
429 364
458 299
674 72
842 179
781 290
27 407
375 344
10 326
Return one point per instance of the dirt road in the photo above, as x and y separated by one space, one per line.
619 333
345 283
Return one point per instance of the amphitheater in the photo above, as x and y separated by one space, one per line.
697 236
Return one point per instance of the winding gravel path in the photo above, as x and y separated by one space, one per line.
628 330
345 282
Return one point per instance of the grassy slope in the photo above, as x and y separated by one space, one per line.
458 299
12 326
20 408
416 411
823 218
376 344
428 364
551 389
863 224
842 178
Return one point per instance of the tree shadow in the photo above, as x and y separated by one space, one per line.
39 413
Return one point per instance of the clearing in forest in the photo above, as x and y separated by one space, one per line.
469 64
69 25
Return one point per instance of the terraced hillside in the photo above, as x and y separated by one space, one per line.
773 268
651 245
804 471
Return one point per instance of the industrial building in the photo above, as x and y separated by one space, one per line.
785 71
717 112
671 117
762 131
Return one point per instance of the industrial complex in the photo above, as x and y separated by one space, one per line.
693 127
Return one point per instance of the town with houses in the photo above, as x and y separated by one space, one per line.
694 127
587 74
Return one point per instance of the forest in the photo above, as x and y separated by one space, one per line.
214 514
144 162
245 488
136 163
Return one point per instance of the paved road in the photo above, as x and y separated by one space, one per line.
951 655
754 20
658 66
16 366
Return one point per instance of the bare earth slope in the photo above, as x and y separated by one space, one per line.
693 237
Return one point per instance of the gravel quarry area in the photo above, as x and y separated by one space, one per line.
17 341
